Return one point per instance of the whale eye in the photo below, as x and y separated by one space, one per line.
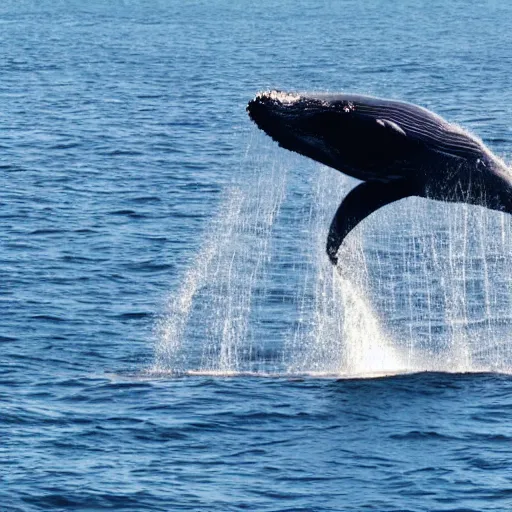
386 123
481 165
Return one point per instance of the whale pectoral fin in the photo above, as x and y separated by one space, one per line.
360 202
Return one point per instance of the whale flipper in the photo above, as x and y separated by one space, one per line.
360 202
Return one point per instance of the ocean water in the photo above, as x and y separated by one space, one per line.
172 335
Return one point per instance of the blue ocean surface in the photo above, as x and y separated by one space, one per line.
172 335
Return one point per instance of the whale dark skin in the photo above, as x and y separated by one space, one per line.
397 149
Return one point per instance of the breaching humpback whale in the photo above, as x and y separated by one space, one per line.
397 149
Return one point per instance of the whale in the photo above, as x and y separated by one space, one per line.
396 149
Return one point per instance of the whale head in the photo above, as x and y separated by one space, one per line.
336 130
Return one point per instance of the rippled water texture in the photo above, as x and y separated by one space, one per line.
172 335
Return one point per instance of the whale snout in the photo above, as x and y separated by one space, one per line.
257 108
270 111
273 98
270 103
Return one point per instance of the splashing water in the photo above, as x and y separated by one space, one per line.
218 293
420 286
170 329
339 334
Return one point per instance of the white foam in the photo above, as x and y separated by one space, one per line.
283 97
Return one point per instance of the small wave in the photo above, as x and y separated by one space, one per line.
48 318
136 315
128 213
48 231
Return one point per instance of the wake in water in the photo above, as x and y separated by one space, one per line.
421 286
